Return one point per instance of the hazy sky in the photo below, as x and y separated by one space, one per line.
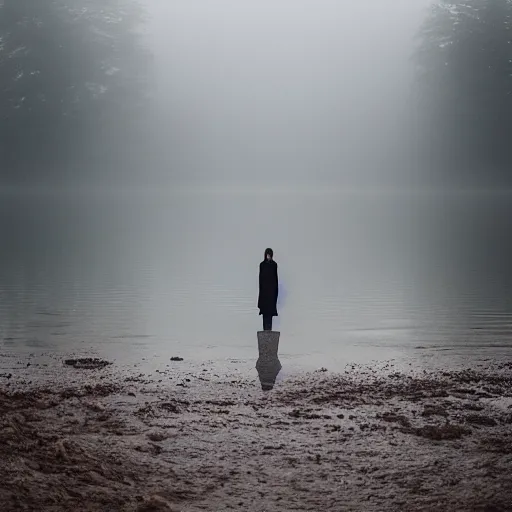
281 91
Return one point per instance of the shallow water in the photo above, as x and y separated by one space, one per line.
363 276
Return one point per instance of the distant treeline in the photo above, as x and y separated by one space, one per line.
463 92
73 87
75 82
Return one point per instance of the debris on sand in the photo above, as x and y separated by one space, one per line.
79 442
155 504
89 390
478 419
444 432
392 417
176 358
87 363
498 444
433 410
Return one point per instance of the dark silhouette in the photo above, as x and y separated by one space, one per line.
74 90
267 300
463 93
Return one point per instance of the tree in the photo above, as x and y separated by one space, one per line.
73 77
464 89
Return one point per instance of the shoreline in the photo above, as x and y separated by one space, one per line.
372 438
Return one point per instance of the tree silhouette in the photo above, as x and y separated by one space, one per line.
464 89
72 81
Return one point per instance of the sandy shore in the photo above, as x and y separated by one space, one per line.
372 439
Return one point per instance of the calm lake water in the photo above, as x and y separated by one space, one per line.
363 276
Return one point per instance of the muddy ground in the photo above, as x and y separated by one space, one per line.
88 437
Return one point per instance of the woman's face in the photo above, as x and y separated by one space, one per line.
269 257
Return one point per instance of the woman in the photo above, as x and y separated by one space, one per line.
267 300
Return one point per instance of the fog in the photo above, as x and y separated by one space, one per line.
150 150
283 93
279 94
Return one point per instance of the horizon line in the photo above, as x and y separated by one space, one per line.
252 189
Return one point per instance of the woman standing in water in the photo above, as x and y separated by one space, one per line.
267 300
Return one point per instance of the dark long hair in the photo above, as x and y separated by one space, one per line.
270 252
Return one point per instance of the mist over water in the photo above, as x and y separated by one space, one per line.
365 277
139 189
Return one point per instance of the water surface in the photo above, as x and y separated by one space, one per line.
363 275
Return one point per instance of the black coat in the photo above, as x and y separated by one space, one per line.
267 300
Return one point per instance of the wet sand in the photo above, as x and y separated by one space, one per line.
73 437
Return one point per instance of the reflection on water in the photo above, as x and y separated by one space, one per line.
366 276
268 364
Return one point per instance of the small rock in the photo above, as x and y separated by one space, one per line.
95 406
176 358
60 450
155 504
157 436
